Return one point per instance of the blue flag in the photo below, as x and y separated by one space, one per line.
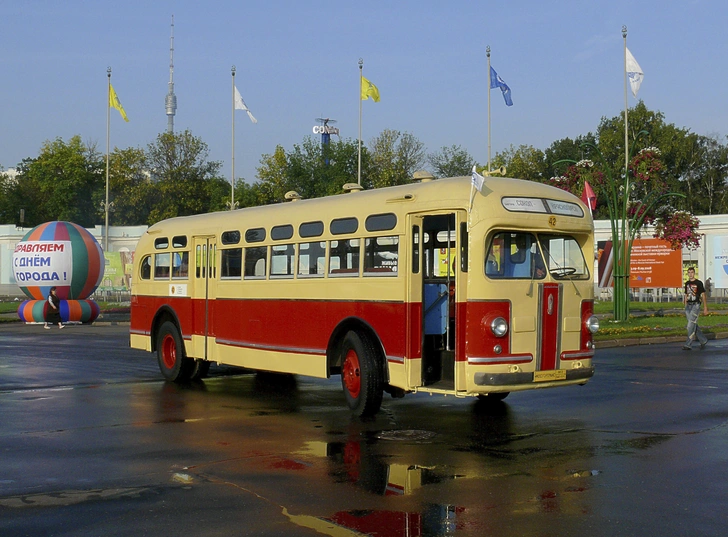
497 82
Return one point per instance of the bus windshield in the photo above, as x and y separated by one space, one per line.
564 256
517 255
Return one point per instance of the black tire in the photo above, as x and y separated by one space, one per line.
200 368
493 397
173 362
362 375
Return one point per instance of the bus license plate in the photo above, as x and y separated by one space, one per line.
546 376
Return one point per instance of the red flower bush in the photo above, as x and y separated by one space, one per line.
680 229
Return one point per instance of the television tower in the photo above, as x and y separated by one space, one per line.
170 101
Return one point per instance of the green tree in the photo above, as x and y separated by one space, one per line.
309 169
706 181
180 169
65 182
565 149
395 156
452 161
130 187
522 162
680 152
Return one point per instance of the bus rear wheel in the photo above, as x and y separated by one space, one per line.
173 363
362 376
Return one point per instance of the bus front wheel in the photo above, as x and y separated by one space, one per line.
173 363
493 397
361 375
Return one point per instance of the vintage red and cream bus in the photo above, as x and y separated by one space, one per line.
427 287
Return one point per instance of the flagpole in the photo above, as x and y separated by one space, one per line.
487 53
358 169
626 149
232 173
108 122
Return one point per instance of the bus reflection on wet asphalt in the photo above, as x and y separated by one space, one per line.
448 467
265 454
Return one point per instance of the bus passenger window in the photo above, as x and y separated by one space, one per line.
180 264
282 258
255 262
231 263
281 233
381 255
161 266
344 257
312 259
146 268
230 237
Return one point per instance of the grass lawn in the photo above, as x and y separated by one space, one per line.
657 319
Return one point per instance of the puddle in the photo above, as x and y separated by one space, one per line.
70 497
412 435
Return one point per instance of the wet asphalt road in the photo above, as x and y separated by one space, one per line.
93 442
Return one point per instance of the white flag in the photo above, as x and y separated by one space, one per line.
240 105
478 180
634 73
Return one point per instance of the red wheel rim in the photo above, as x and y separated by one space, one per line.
352 374
169 351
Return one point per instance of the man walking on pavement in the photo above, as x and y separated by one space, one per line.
692 298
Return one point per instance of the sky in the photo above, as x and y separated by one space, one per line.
297 61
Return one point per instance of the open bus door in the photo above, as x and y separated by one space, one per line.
439 243
204 278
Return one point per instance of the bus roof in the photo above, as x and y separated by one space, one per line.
447 193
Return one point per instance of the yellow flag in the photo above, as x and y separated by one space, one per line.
114 102
369 90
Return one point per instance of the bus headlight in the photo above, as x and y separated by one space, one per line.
592 324
499 327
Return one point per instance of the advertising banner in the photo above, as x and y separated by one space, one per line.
117 276
653 264
43 263
720 262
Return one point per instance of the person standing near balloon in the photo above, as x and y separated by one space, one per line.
54 310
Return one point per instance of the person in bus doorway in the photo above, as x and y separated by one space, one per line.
54 310
692 298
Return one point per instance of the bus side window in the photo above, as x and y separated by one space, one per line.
198 260
312 258
415 249
255 258
146 268
344 257
381 255
161 266
282 258
231 263
180 264
213 260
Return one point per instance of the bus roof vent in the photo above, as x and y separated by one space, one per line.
423 176
352 187
292 195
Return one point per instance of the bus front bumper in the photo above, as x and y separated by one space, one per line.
512 379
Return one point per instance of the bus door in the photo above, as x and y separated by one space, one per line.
439 251
203 295
413 366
